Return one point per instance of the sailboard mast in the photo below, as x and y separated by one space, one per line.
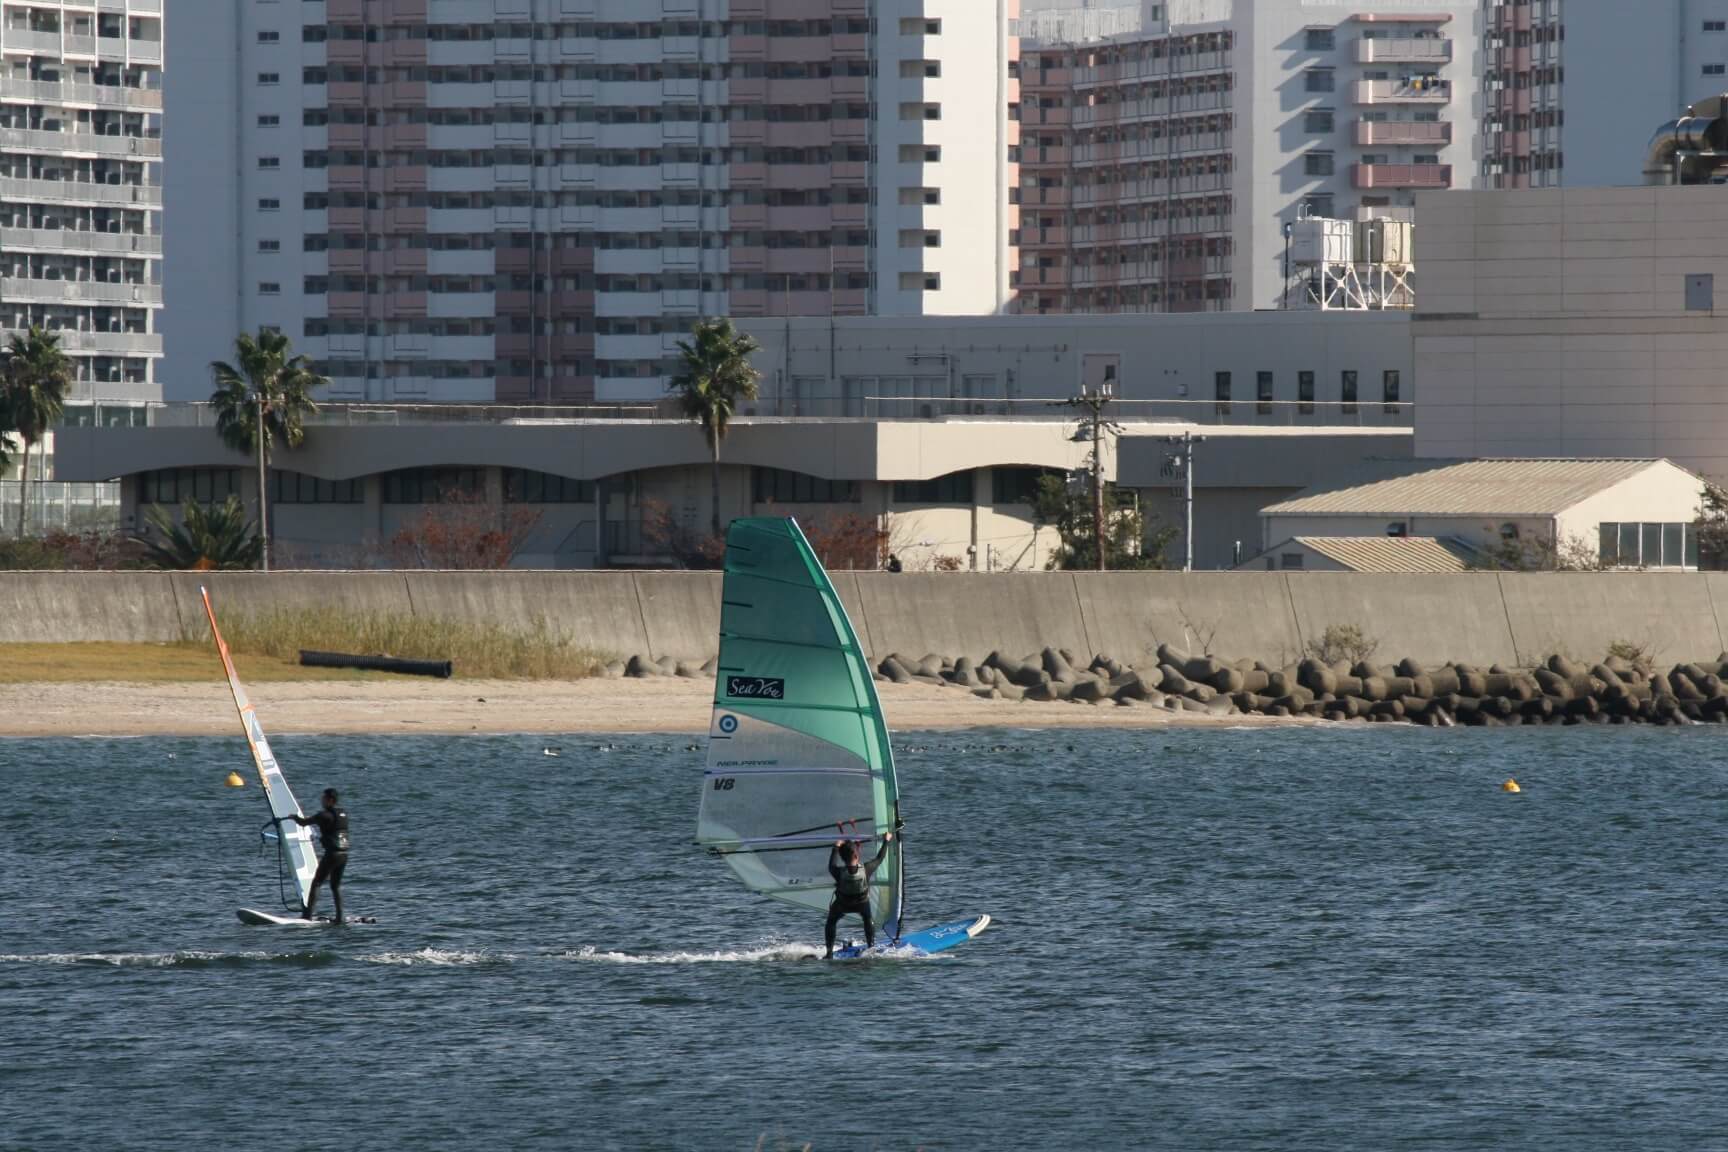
296 841
797 743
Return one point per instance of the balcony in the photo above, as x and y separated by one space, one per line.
1418 90
110 343
78 240
17 288
1401 176
66 93
1404 50
88 143
79 192
1431 132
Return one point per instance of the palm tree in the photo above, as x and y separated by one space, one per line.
35 376
269 388
717 373
215 537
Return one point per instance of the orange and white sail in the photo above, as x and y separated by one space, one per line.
296 840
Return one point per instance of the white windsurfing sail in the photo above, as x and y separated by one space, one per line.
296 841
797 742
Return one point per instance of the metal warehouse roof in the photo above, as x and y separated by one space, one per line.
1388 553
1464 488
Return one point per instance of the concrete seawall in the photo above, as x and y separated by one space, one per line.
1481 618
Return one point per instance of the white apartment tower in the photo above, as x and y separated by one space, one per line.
531 201
80 187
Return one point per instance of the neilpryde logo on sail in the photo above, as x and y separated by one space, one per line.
755 688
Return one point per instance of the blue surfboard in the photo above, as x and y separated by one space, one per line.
926 943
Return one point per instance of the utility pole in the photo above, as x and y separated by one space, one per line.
1184 460
1094 399
263 512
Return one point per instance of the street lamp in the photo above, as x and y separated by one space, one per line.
1288 229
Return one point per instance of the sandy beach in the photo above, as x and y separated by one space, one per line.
455 706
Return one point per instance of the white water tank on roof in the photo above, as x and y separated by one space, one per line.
1385 242
1319 240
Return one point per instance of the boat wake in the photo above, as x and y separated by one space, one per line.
438 958
183 959
761 954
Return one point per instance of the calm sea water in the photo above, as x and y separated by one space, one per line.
1316 939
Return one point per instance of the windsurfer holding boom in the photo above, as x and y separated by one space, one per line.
332 824
851 886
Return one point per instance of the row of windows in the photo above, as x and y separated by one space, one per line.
1265 390
598 30
525 486
405 486
1649 545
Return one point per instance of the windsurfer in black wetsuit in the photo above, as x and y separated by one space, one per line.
852 887
332 824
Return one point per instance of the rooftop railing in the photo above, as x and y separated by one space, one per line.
776 408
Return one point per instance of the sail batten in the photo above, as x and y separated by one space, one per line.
797 739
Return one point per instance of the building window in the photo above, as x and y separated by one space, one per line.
1221 393
1292 561
1319 204
434 486
299 488
779 486
269 245
268 36
526 486
269 288
1715 69
954 488
1319 120
1318 80
1347 391
269 78
1263 393
1305 392
1716 25
1391 390
267 121
1317 163
1320 39
188 485
269 204
1016 485
269 162
1672 545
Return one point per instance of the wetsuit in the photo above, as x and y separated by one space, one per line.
332 825
851 894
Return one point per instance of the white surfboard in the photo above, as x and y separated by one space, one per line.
279 920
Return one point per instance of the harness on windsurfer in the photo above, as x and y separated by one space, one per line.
851 886
332 824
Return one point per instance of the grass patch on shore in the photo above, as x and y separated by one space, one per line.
479 651
267 647
146 664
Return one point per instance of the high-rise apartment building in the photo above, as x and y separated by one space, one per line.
80 188
1159 168
1574 88
531 201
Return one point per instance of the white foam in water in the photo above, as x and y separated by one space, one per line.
130 959
765 952
438 958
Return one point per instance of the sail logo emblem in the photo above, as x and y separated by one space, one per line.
728 724
755 688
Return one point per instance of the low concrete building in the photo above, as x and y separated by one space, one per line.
1518 513
632 489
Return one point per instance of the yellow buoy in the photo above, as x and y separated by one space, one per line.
1510 786
234 780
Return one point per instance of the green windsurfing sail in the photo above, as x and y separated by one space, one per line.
797 742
